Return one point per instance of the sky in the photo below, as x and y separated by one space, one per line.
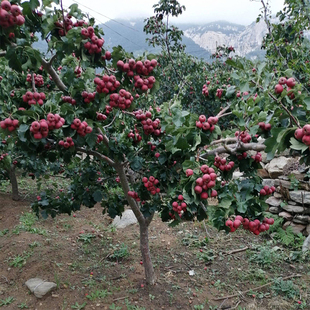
242 12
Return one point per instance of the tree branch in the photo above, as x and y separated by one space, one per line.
280 102
97 155
242 147
47 65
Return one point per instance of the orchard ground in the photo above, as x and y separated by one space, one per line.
98 267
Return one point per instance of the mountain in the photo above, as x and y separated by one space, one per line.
200 40
245 39
130 35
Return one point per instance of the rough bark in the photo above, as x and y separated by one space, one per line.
146 255
143 223
14 183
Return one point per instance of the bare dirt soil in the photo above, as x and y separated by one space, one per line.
96 266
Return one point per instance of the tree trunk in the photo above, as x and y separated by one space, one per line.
13 179
146 255
143 223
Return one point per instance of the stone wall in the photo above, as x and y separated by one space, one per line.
291 200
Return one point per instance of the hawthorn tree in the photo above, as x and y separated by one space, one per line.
160 157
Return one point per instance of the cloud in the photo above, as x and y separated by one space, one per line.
197 11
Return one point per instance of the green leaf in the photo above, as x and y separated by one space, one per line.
234 64
230 91
137 163
97 195
307 102
297 145
91 139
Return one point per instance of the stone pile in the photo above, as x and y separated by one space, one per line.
291 200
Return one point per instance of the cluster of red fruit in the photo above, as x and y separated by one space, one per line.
179 206
153 147
68 99
242 156
219 93
121 100
34 98
134 195
101 117
81 128
205 90
3 156
263 126
222 164
10 16
257 157
38 79
204 183
149 126
106 84
107 56
290 83
144 84
144 68
135 136
266 190
95 44
67 24
40 129
254 226
78 71
303 134
243 136
66 143
150 184
10 124
88 97
99 138
206 124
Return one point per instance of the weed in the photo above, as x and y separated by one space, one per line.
23 305
91 282
113 307
132 307
7 301
98 295
86 238
79 307
266 256
3 232
206 256
34 244
286 288
199 307
19 260
120 252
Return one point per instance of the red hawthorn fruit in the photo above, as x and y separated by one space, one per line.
189 172
282 80
291 82
278 89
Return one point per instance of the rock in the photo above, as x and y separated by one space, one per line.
274 210
302 197
263 173
283 177
128 218
293 209
237 175
297 175
286 215
276 165
277 195
301 219
297 228
273 201
40 287
306 245
308 230
293 203
269 182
